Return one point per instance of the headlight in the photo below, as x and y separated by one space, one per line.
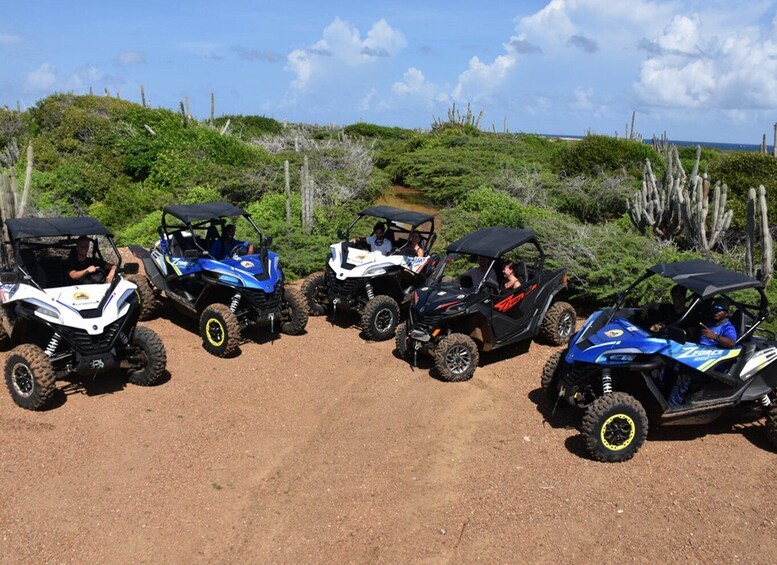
618 356
42 309
229 279
374 271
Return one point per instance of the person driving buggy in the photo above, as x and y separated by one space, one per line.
378 240
224 246
87 270
662 314
477 274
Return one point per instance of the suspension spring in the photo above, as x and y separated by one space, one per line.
51 348
235 301
606 381
123 340
370 292
765 401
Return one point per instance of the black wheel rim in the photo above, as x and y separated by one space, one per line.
618 432
319 295
565 325
384 319
214 330
458 359
22 379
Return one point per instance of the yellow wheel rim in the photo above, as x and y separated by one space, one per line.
618 432
214 331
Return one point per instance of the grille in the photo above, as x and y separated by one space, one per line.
342 289
263 301
86 344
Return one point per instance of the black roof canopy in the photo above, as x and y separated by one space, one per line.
704 278
394 214
492 242
21 228
205 211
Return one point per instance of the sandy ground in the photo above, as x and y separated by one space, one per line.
326 448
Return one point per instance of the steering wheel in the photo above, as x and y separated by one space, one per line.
97 277
237 248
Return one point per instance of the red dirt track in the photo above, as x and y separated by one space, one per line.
326 448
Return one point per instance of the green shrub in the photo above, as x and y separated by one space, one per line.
248 127
597 154
741 171
372 130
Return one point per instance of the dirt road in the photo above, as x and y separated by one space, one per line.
326 448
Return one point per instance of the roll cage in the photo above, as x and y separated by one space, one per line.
399 222
58 233
492 243
705 281
210 217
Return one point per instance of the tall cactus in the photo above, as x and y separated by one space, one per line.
12 205
757 227
680 204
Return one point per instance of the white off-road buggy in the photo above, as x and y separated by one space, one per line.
375 285
58 328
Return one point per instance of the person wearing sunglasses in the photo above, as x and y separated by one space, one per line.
719 332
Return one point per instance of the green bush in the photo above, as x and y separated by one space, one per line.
372 130
597 154
249 127
741 171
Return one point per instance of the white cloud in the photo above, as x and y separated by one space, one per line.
415 85
128 58
697 68
41 79
342 46
481 78
83 78
364 103
9 39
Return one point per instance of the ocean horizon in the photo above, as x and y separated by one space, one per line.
680 143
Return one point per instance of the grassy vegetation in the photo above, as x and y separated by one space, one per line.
121 163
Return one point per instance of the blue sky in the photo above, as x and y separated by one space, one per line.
700 70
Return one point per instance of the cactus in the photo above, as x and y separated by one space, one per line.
758 225
679 204
308 189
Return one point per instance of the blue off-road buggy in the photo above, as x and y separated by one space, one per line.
227 295
620 370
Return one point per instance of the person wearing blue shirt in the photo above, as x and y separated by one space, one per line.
720 334
221 247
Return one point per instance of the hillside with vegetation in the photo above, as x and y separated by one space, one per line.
122 162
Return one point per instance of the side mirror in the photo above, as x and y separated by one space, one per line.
676 334
10 277
130 268
341 234
268 241
191 254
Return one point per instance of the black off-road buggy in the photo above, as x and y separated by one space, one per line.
374 285
453 320
58 327
619 369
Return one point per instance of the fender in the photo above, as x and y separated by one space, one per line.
561 285
151 268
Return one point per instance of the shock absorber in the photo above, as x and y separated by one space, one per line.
51 348
370 292
765 401
606 381
122 339
235 301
